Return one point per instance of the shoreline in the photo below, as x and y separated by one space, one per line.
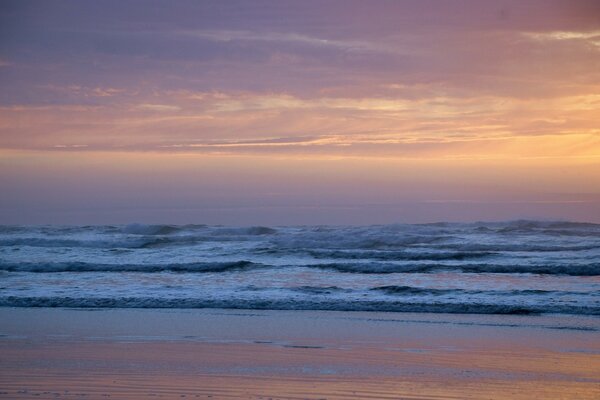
132 353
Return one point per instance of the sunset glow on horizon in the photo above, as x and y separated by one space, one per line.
283 112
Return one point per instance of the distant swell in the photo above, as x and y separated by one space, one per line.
383 306
133 236
139 229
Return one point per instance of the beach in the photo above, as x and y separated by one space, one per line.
221 354
301 200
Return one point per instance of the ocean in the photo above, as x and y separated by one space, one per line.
516 267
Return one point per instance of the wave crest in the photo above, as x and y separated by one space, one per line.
258 304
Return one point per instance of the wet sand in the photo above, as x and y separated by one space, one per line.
226 354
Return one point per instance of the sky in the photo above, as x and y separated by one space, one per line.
299 112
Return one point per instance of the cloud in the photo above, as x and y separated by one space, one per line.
272 123
242 102
584 37
78 91
564 35
291 38
315 78
106 92
70 146
157 107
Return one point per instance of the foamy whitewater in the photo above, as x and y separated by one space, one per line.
521 267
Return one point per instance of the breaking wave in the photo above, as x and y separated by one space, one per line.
269 304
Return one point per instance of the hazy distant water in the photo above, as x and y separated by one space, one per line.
506 267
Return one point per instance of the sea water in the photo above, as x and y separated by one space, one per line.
517 267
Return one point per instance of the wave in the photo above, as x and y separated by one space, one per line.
268 304
516 247
139 229
389 268
401 255
592 269
252 231
10 229
389 249
319 289
525 226
141 242
163 230
197 267
411 290
444 241
133 236
357 239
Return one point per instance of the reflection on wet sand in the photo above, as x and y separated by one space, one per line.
140 370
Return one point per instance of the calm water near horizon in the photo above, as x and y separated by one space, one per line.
517 267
